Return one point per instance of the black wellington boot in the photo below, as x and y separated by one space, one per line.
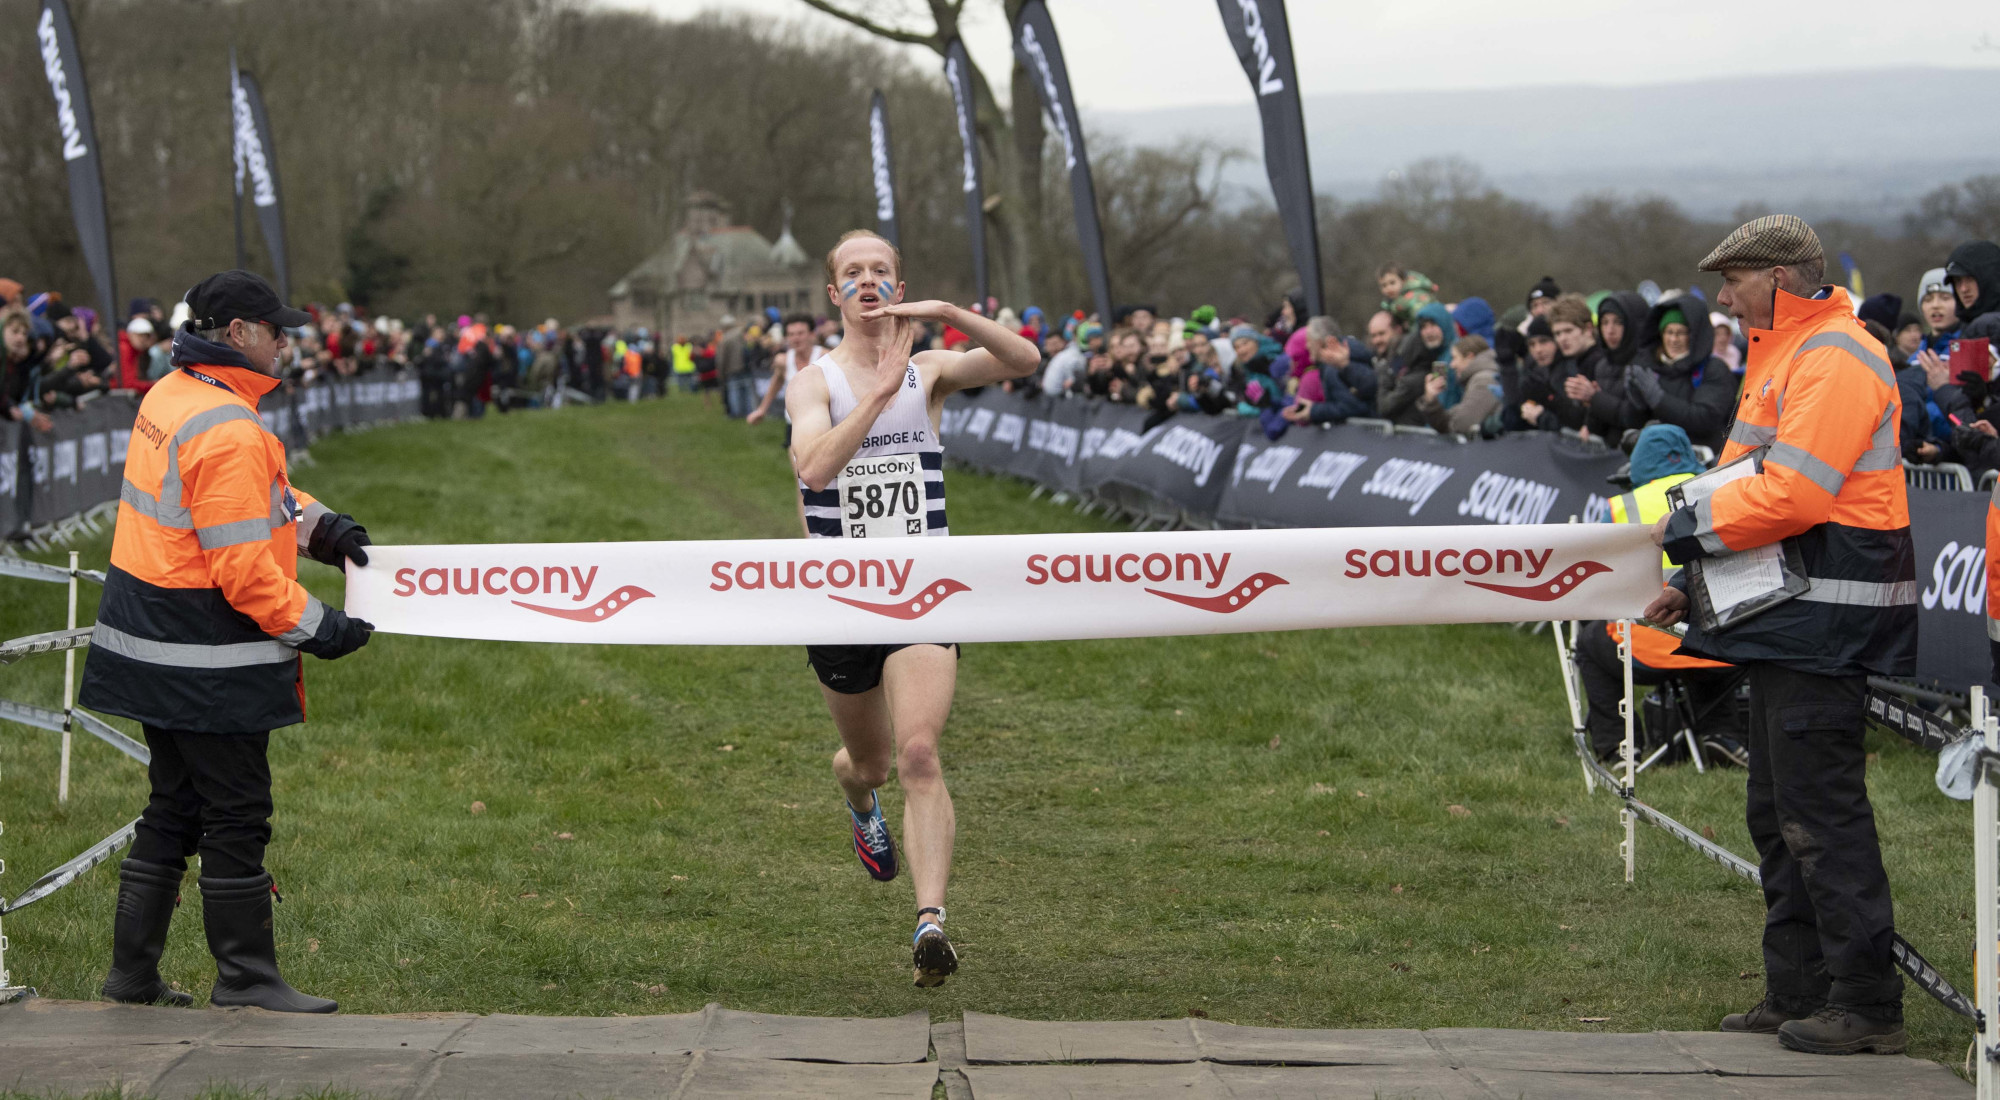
237 916
147 895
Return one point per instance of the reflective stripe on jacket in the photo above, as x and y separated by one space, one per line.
202 609
1818 389
1651 647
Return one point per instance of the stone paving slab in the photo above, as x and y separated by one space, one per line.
78 1047
1566 1051
1002 1040
428 1031
287 1071
82 1068
599 1076
803 1038
1210 1081
1219 1042
92 1022
503 1034
722 1078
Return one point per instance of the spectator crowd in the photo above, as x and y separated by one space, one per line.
1602 365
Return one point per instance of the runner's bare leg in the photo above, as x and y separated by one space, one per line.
900 722
920 682
867 743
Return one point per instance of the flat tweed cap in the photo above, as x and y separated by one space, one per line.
1776 240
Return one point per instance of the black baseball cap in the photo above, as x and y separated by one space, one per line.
220 299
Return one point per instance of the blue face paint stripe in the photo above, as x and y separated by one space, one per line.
888 290
850 288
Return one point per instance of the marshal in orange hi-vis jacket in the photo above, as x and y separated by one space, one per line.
203 618
1818 389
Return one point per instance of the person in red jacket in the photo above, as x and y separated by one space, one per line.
198 638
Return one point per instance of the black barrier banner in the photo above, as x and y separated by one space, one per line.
958 74
883 167
79 462
1223 469
62 63
1036 46
13 492
1950 532
1262 38
1353 477
256 159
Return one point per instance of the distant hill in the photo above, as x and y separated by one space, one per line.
1864 145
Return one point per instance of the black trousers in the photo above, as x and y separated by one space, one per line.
211 794
1827 921
1709 691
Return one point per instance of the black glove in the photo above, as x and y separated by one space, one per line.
339 634
336 540
1974 387
1644 383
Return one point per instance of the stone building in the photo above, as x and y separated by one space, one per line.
711 269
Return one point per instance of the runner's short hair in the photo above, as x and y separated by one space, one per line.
798 319
857 234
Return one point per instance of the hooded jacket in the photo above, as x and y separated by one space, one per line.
1607 413
1479 398
1981 260
1399 402
1695 393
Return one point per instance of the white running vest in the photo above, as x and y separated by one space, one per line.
893 487
792 369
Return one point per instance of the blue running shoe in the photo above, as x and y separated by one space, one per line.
872 842
933 954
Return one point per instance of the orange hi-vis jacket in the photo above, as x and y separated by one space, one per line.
1993 578
202 609
1819 391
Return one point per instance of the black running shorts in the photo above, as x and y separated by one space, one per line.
856 669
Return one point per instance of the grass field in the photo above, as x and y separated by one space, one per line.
1360 828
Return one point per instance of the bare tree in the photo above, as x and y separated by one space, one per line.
1012 147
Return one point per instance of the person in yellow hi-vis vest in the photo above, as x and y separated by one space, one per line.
683 352
1663 458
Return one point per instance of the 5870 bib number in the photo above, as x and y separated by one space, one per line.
883 497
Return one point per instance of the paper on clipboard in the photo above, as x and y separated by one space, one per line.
1733 579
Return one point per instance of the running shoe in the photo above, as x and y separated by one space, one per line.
872 843
933 954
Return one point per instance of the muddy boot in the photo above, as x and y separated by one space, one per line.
237 915
1837 1029
147 895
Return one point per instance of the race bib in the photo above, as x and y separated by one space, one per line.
883 497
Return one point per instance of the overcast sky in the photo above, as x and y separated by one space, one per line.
1173 53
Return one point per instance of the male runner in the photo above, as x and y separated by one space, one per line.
869 398
799 352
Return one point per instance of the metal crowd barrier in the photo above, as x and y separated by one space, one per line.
65 721
1924 730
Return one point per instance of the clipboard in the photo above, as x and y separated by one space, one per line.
1732 588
